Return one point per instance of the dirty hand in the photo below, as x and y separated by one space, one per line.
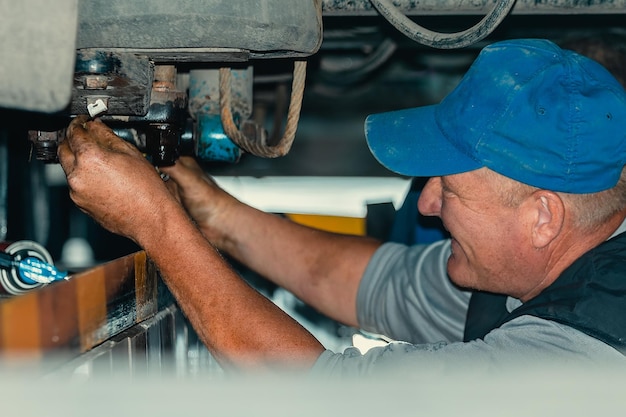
110 180
199 194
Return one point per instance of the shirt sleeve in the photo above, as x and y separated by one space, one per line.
524 341
405 294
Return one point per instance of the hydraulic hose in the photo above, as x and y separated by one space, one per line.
444 40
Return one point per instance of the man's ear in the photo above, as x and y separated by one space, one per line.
548 213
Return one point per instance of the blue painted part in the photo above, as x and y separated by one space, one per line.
35 271
213 144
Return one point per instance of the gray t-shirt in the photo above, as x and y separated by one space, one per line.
406 295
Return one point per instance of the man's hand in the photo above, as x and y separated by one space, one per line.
110 180
205 202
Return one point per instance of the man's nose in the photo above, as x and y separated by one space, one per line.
429 203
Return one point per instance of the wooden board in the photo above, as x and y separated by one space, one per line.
73 316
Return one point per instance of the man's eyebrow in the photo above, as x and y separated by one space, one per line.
454 186
445 184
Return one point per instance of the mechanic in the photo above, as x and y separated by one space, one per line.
525 158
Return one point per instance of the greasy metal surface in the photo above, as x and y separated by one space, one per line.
71 317
182 55
162 143
123 80
459 7
274 26
45 144
204 94
167 102
212 142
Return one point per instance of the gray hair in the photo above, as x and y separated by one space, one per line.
587 210
590 210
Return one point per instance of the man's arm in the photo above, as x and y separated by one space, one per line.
322 269
111 181
236 323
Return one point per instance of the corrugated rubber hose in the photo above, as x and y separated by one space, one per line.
444 40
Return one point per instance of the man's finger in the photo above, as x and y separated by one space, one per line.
106 137
83 130
66 157
184 166
77 135
78 122
179 171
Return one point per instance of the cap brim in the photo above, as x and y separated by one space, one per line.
409 142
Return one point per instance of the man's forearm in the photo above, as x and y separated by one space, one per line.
323 269
238 325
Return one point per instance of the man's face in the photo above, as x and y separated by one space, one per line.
490 247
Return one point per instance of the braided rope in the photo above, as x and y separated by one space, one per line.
260 148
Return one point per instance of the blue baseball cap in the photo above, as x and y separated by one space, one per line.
527 109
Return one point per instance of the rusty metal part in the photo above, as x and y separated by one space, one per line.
123 80
164 78
157 131
162 127
204 92
45 144
95 82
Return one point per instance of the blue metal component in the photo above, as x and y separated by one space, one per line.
33 271
24 266
204 106
213 144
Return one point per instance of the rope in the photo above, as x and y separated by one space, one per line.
252 145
